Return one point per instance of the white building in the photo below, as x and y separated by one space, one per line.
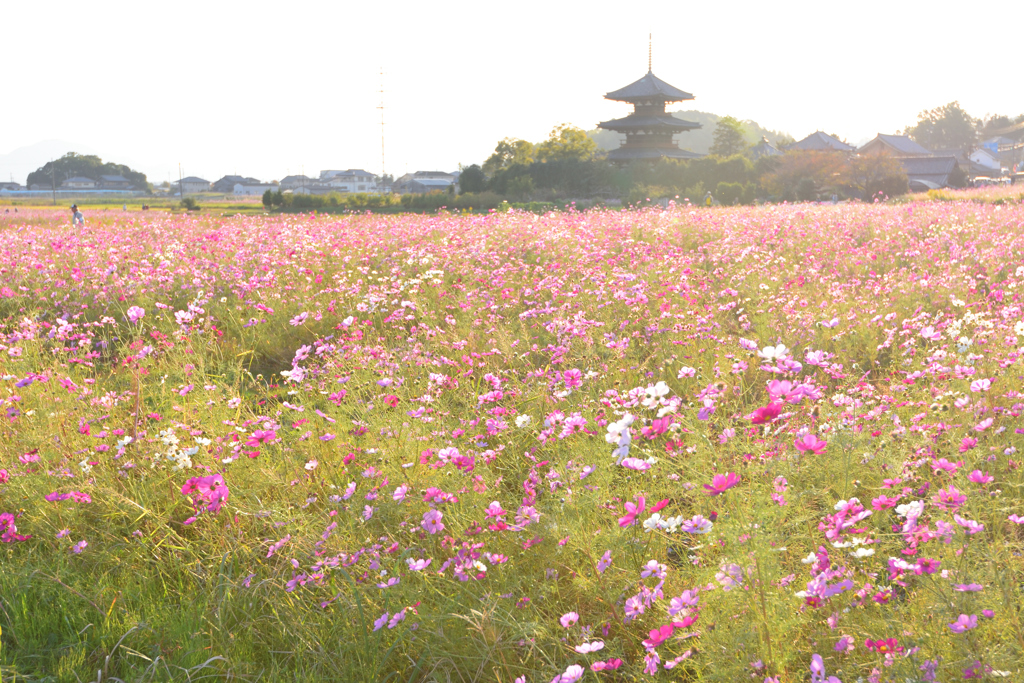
193 185
986 159
352 180
78 183
252 189
426 181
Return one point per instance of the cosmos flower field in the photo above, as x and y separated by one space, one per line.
775 444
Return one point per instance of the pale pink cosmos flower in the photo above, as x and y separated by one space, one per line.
979 385
432 521
964 623
587 648
136 313
495 510
570 675
568 619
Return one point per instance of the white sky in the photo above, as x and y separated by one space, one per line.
269 89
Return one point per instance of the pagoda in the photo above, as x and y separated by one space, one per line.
649 129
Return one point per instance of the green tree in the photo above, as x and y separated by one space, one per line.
472 179
944 127
873 175
729 139
73 165
509 152
566 142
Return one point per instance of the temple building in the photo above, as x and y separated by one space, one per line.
649 129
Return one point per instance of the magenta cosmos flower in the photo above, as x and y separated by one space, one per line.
720 483
809 443
632 511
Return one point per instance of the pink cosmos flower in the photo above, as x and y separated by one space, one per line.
570 675
606 561
766 413
135 314
720 483
568 619
810 443
632 511
1016 519
587 648
659 636
432 521
208 494
979 385
978 477
495 510
636 464
261 436
964 623
968 587
611 664
818 671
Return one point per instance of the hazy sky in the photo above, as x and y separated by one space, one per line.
270 89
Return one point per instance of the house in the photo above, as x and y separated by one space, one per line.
192 185
928 172
895 145
226 185
114 182
986 160
819 142
11 187
295 182
425 181
763 149
248 189
351 180
78 183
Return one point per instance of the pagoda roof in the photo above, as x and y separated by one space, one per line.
640 121
640 153
650 86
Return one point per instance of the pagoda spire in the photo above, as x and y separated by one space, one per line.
649 43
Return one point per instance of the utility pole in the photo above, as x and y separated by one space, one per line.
53 180
383 171
181 185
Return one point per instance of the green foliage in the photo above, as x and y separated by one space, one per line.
875 175
190 204
472 179
948 126
73 165
509 152
728 138
729 193
566 143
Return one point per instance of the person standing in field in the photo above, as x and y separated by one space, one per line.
708 199
77 219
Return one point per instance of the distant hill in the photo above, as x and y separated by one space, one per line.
699 140
17 164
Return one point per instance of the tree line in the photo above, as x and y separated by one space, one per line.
71 165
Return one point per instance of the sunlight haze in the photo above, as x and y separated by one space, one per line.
271 89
